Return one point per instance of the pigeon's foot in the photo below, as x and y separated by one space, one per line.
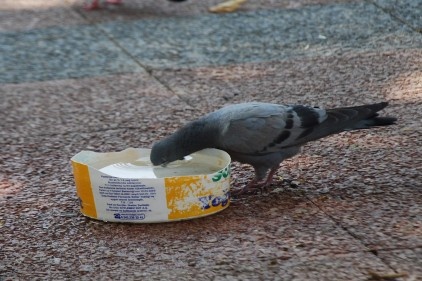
256 185
289 182
253 187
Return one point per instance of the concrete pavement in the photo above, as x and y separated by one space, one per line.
126 76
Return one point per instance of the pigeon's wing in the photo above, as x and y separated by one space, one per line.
265 128
260 128
348 118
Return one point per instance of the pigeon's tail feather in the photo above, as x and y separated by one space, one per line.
374 121
357 117
349 118
383 121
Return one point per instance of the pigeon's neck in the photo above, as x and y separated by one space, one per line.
198 135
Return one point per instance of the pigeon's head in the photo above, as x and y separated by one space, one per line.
193 137
162 153
159 154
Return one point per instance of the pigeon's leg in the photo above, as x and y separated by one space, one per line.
114 2
95 5
270 176
256 184
252 185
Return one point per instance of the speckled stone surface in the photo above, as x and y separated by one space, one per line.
408 260
408 11
318 80
104 103
146 9
394 223
58 53
144 69
266 35
176 42
25 15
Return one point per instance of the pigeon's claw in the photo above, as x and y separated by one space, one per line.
253 187
256 185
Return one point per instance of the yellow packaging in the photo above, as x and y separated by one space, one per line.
124 186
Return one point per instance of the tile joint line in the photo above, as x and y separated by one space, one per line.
149 70
388 11
338 223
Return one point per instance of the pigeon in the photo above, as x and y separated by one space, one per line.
264 134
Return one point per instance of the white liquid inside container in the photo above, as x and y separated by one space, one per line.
195 164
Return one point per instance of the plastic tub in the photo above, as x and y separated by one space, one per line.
125 187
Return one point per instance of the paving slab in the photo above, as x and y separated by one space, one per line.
253 237
265 35
30 14
193 41
142 70
59 53
262 236
144 9
389 219
260 231
346 79
407 11
406 261
136 100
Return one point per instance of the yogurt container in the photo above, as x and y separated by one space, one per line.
125 187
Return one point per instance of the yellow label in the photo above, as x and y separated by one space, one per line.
191 196
84 189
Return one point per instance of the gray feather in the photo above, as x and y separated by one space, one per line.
264 134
